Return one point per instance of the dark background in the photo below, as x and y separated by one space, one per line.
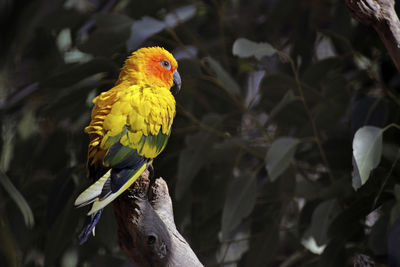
237 206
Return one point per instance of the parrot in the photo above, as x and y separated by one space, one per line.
130 126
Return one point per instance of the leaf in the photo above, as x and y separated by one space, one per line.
396 192
239 202
263 246
148 26
236 246
334 254
61 233
5 159
107 230
245 48
367 151
314 74
307 189
333 106
310 244
143 29
7 150
27 125
253 88
227 82
64 40
273 90
378 239
78 72
8 249
348 222
76 56
280 155
18 199
179 15
321 219
59 194
194 156
70 258
286 99
62 18
112 32
324 47
393 244
368 111
185 52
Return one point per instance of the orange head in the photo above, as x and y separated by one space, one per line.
152 66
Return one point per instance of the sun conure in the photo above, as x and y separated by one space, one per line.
130 126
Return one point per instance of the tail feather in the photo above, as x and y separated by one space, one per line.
93 192
132 176
88 226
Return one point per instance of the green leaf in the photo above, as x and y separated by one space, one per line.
180 15
191 160
275 89
367 151
5 160
280 155
332 107
396 192
62 18
110 36
148 26
311 245
7 150
334 254
61 190
321 219
8 247
72 74
27 125
245 48
18 199
317 72
226 80
62 233
348 222
143 29
194 156
70 258
286 99
263 246
307 189
239 202
378 238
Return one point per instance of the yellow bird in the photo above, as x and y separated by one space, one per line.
130 126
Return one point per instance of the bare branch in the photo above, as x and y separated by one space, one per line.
381 15
147 231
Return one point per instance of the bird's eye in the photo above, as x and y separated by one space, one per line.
165 64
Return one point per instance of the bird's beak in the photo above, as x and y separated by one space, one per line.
177 83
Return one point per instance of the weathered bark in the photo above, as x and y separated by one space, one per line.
147 231
381 15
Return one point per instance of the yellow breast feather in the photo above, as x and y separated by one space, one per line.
128 115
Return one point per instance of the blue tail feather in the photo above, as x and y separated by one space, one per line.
88 226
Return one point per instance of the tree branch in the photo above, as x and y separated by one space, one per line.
381 15
146 227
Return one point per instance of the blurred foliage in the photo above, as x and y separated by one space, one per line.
260 164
